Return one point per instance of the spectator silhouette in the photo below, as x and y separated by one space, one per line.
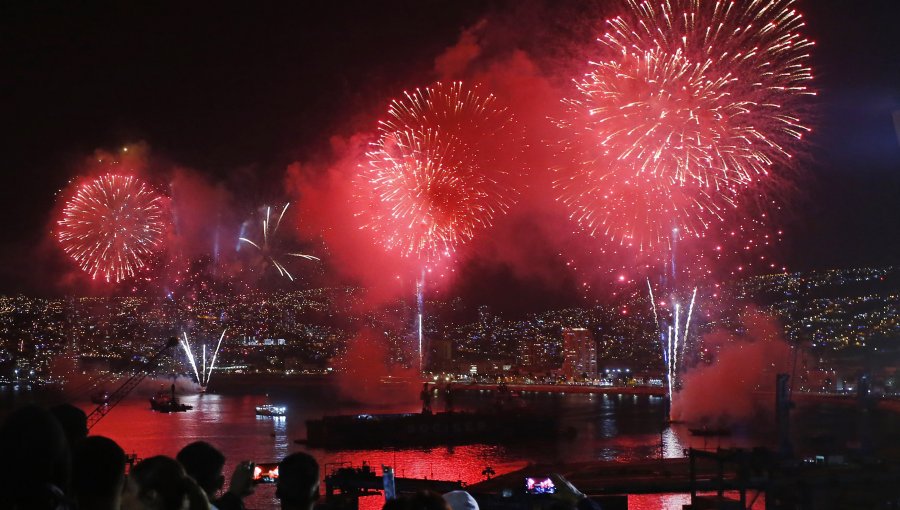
160 483
73 422
204 463
98 474
35 462
399 503
422 500
460 500
298 482
428 500
448 402
425 397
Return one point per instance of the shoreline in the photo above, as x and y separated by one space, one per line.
563 389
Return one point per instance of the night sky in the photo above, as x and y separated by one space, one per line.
239 93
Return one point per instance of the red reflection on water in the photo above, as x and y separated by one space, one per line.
678 501
230 423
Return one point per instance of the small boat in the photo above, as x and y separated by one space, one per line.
710 432
270 410
166 402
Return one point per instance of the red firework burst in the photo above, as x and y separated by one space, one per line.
685 117
437 173
112 225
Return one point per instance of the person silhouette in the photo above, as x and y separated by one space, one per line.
426 399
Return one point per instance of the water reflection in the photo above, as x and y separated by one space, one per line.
609 428
671 444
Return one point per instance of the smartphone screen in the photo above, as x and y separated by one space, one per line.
390 490
539 485
265 473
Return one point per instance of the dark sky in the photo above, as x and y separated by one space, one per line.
225 89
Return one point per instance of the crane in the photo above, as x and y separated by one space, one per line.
103 409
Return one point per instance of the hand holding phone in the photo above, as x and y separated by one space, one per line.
242 479
565 491
539 485
265 473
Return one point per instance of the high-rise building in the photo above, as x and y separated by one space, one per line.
579 354
440 355
539 354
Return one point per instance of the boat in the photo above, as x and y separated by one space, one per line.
710 432
167 402
270 410
426 429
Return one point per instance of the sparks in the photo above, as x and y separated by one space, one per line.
692 108
268 248
112 226
437 173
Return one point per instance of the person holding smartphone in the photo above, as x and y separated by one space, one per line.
204 463
565 493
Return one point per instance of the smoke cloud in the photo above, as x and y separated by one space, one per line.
362 369
325 196
738 384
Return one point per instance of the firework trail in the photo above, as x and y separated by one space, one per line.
215 355
420 308
673 338
437 173
687 322
684 116
202 375
185 344
269 247
652 302
203 371
681 130
112 226
676 321
670 367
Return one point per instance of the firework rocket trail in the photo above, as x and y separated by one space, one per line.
653 303
112 226
203 375
673 340
187 349
212 364
670 366
674 251
203 370
438 174
665 342
684 127
687 114
420 306
687 323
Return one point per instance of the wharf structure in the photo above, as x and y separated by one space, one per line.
717 479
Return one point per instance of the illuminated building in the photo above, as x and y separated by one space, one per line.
441 355
579 354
